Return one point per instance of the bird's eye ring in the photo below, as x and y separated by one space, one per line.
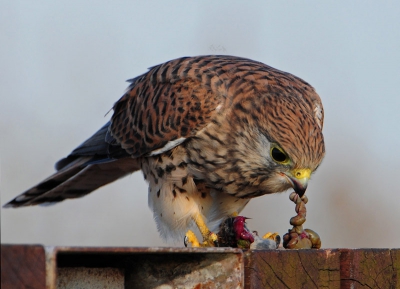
279 155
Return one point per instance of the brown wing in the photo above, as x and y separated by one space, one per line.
171 102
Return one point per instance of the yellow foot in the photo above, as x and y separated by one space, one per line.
191 238
270 235
273 236
210 239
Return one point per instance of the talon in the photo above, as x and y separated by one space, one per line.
185 241
191 238
277 240
214 239
272 236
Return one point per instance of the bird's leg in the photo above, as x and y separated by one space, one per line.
210 239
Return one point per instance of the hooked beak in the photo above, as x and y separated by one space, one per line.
298 178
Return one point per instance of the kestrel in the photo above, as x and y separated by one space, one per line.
209 133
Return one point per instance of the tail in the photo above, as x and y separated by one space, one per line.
95 163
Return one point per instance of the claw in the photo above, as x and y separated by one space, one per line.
270 235
278 240
213 238
273 236
191 238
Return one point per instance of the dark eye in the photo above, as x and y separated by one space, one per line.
279 156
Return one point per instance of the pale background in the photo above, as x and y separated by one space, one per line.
63 64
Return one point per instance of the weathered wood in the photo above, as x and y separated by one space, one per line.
292 269
23 267
370 268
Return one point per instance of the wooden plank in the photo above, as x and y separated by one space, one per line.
23 266
292 269
370 268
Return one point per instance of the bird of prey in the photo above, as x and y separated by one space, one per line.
209 133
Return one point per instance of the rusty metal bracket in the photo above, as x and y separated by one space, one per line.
73 267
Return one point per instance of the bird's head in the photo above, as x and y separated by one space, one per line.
295 145
275 149
279 137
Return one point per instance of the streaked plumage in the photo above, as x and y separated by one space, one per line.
205 131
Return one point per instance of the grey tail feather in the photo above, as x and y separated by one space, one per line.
96 162
76 180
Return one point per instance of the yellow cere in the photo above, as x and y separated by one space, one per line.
301 173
